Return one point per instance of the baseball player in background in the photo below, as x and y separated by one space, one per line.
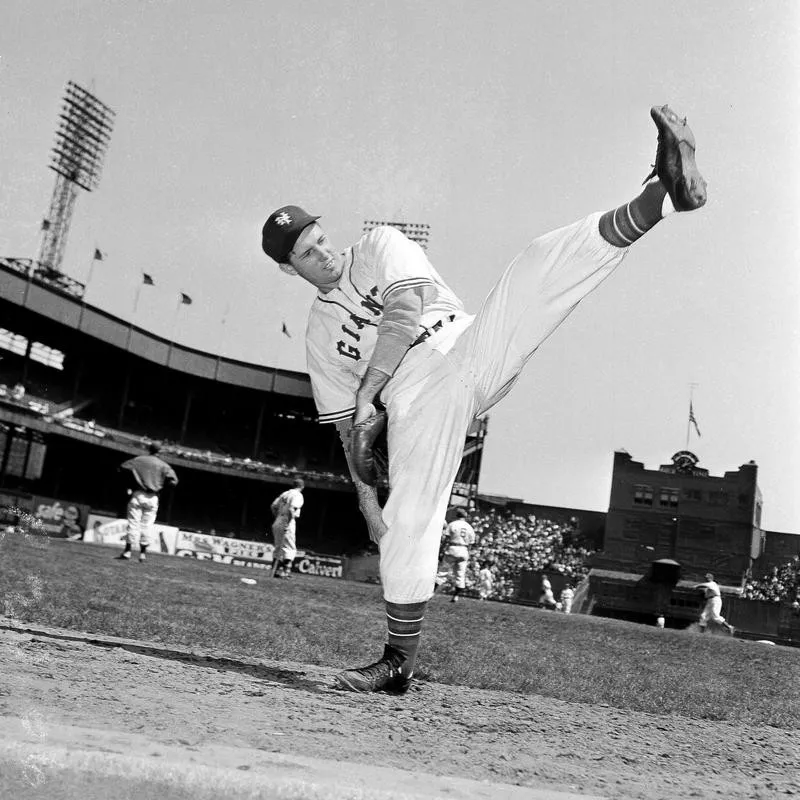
385 329
712 610
546 598
286 511
459 537
485 581
150 475
567 596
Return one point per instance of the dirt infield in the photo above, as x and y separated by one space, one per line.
146 696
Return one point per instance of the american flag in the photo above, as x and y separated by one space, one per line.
692 419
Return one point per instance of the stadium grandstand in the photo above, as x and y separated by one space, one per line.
92 389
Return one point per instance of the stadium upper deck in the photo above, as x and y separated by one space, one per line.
97 387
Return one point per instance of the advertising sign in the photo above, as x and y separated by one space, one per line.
112 531
59 519
239 552
313 564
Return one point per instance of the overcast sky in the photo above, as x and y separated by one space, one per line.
490 122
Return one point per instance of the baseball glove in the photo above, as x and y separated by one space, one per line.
367 451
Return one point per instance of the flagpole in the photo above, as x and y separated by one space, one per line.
224 326
91 267
174 328
689 420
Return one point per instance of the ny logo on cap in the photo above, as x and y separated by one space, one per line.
283 219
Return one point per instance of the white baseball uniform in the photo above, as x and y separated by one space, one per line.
462 368
460 537
286 508
713 608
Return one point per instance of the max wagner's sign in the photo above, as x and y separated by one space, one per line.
238 552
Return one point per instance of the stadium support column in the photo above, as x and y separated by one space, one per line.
259 426
126 387
26 362
187 409
76 384
243 518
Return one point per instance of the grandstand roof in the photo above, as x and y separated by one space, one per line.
51 299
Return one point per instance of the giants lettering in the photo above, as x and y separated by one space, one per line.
351 333
348 350
371 304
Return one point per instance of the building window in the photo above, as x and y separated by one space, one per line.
47 355
692 494
668 498
643 495
719 498
14 342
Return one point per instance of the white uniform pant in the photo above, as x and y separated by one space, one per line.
454 564
142 510
285 539
433 397
712 612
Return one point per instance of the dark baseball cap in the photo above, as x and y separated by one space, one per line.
282 229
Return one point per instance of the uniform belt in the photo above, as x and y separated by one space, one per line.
428 332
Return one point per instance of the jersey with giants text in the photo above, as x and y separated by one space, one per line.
343 323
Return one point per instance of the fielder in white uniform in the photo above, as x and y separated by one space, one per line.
459 537
286 509
385 327
712 611
149 475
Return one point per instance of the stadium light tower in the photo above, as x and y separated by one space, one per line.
417 232
82 137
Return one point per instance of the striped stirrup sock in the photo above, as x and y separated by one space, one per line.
624 225
404 621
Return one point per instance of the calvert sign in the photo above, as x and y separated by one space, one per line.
312 564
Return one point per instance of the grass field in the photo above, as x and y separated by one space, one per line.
200 604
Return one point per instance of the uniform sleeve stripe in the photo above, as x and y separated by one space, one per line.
337 416
406 283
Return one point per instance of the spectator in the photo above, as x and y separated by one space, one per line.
782 584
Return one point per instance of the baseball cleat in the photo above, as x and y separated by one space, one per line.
124 556
382 676
142 557
675 165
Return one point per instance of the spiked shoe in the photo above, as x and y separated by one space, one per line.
675 165
383 676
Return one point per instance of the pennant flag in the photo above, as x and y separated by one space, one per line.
147 280
692 419
185 299
285 331
98 256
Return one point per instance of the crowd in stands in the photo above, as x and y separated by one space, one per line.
510 543
16 396
781 585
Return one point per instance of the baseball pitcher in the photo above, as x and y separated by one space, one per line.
388 342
